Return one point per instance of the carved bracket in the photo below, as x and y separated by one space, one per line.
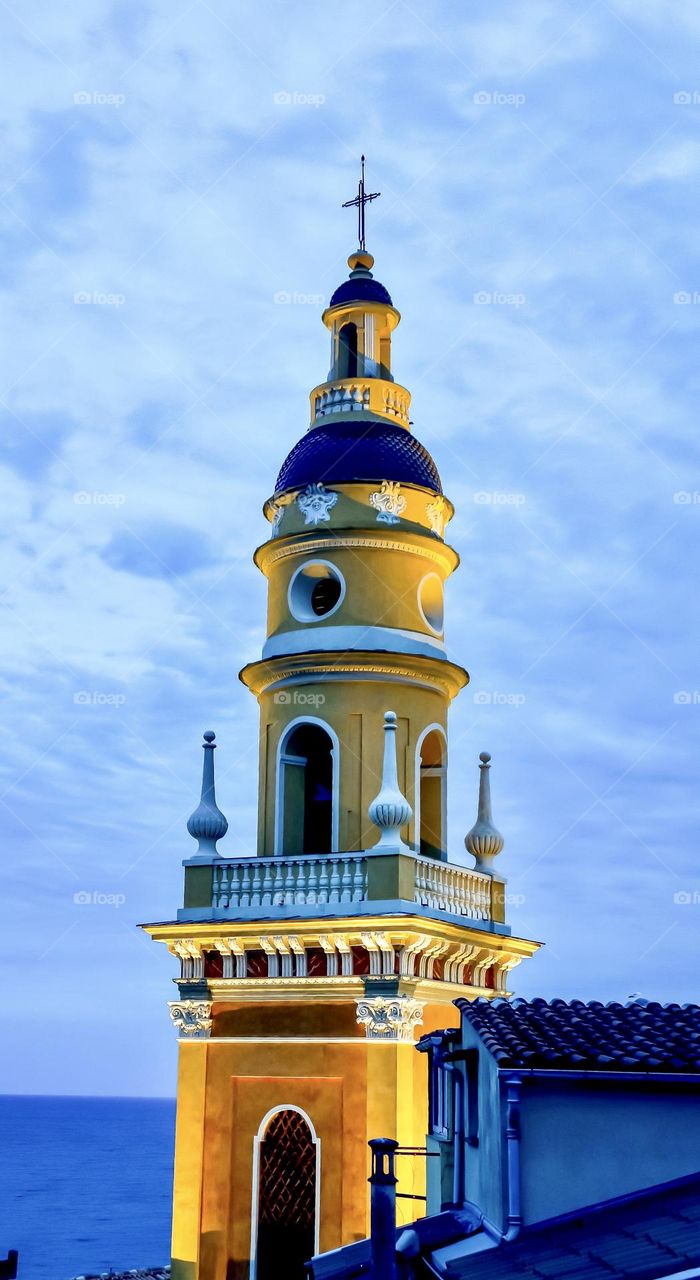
389 1017
192 1018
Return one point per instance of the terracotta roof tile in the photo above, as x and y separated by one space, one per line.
573 1035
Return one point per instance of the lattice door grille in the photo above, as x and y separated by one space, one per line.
287 1173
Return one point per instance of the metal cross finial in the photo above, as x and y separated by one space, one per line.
361 199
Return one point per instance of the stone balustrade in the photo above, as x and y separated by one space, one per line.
458 890
356 395
349 884
251 885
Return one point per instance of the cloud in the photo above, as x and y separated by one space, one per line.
152 385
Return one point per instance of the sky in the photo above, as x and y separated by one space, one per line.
172 176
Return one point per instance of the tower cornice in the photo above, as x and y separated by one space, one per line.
301 544
437 674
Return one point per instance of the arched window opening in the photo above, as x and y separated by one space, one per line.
286 1197
347 351
306 791
432 781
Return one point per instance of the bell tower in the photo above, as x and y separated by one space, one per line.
356 565
308 967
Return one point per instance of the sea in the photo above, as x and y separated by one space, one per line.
85 1184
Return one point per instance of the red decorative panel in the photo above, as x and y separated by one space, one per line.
360 961
213 964
256 964
316 962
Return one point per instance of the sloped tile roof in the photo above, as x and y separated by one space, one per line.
573 1035
646 1236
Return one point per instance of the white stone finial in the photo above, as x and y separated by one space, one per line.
207 824
390 810
484 841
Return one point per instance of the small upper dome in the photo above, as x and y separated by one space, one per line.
360 290
361 285
358 452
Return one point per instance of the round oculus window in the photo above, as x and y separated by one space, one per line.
431 602
315 591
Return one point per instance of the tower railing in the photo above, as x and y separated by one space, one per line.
252 884
309 885
357 395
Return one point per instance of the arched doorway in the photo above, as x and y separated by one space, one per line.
287 1196
430 792
307 817
347 351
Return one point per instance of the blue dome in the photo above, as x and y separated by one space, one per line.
361 289
361 451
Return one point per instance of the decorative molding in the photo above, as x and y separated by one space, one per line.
389 1017
315 503
444 555
192 1018
437 515
388 502
312 666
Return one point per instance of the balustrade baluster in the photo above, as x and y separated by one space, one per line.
234 886
334 882
323 881
245 870
267 884
277 869
312 882
442 889
346 881
296 884
257 884
282 882
359 885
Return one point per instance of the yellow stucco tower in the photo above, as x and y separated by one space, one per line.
308 968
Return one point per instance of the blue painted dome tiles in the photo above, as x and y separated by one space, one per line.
356 453
361 289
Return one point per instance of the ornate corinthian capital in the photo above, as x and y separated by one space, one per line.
389 1017
192 1018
